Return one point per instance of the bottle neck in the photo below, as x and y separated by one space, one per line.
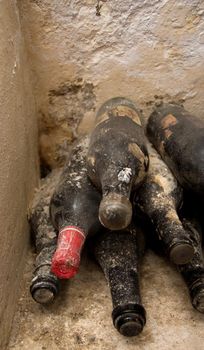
45 238
115 211
176 240
118 256
124 285
195 267
66 260
82 212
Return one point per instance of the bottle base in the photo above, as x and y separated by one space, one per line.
44 289
129 320
181 253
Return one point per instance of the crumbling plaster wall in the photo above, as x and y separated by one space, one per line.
18 159
147 50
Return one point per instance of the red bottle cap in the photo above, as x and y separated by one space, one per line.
66 259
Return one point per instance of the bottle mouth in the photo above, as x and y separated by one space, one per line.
181 253
115 211
197 295
44 289
129 320
63 269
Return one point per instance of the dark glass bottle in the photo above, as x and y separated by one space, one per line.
117 160
118 253
193 272
179 138
159 198
74 211
44 285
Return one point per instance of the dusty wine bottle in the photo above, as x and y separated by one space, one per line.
74 211
159 198
179 138
44 285
117 160
118 253
193 272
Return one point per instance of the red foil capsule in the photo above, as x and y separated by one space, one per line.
66 259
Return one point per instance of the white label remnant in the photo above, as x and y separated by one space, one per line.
124 175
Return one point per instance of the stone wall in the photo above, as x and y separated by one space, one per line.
18 159
147 50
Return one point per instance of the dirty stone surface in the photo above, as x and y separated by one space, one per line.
80 318
82 54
